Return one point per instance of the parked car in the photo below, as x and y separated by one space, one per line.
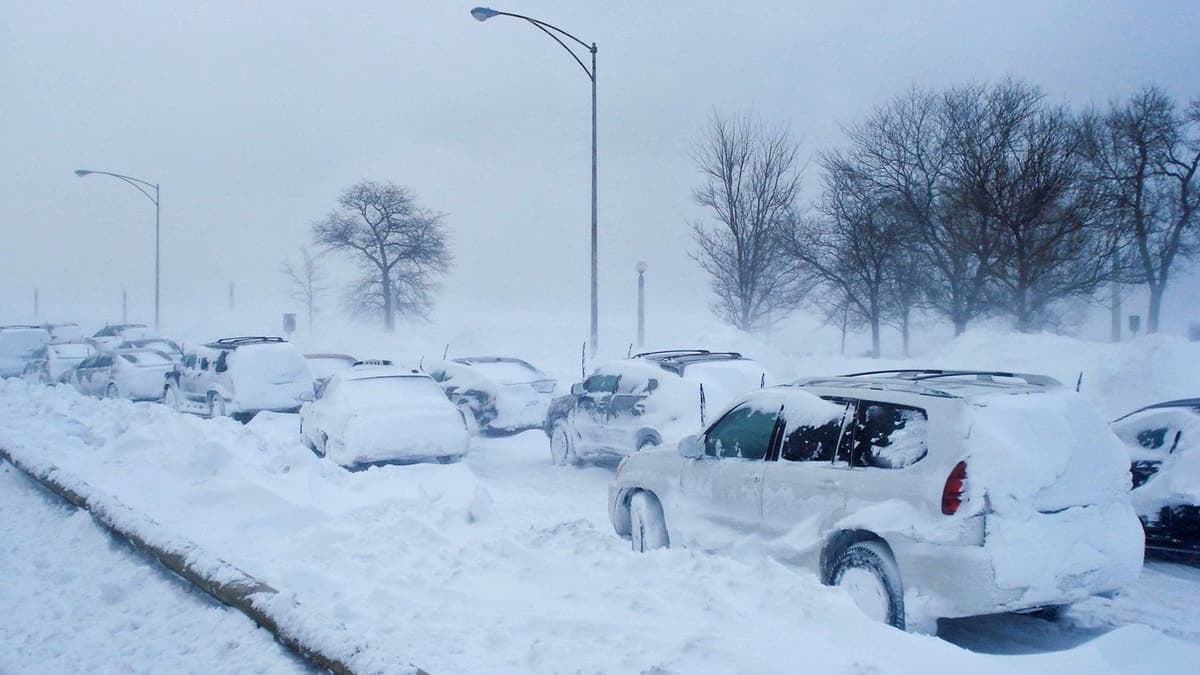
53 363
18 346
239 377
1165 465
926 494
373 414
324 365
113 334
642 401
64 332
496 393
135 374
168 348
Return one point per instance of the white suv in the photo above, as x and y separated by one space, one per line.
239 376
926 494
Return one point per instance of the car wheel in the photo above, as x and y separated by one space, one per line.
111 391
216 406
648 442
171 397
562 449
869 574
647 526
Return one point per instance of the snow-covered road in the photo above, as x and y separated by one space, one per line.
505 563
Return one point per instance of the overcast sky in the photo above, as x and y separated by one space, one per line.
252 116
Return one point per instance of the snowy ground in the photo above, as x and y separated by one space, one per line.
76 601
506 563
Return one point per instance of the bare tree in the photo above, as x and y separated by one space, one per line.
306 282
851 249
905 149
400 249
751 185
1146 155
1019 165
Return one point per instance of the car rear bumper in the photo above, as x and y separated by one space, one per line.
1042 560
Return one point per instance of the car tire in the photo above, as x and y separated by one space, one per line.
870 575
216 406
647 442
171 397
562 447
647 526
111 391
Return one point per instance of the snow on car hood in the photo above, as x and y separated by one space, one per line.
1044 452
257 369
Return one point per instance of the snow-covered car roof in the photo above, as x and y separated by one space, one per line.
371 371
940 383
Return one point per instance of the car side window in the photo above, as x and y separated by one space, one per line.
104 362
813 443
203 363
601 384
744 432
889 436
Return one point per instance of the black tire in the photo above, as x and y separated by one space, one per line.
171 397
1049 612
216 406
647 525
111 391
562 446
648 442
872 577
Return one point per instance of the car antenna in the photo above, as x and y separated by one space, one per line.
582 360
701 405
762 381
629 352
445 351
1079 382
421 363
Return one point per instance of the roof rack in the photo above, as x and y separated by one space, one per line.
20 325
372 362
245 340
672 352
922 374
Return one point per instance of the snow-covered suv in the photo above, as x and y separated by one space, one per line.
926 494
239 376
646 400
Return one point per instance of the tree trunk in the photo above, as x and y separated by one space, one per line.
1156 296
389 321
960 326
904 330
875 336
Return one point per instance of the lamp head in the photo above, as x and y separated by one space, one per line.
641 266
483 13
81 172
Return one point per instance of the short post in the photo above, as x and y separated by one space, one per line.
641 270
35 304
124 306
231 296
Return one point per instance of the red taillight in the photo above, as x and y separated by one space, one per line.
952 493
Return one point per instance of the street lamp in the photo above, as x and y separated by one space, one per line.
641 270
141 186
485 13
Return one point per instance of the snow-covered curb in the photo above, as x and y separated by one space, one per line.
218 578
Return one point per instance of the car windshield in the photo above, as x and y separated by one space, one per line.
146 358
508 372
70 350
388 391
324 366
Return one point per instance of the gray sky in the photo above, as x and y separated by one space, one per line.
252 116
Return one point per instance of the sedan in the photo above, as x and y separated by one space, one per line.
136 374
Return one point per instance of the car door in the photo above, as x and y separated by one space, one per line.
723 488
79 375
626 408
888 442
802 491
590 416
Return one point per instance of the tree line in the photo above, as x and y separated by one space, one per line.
970 202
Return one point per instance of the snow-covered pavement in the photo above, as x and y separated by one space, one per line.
506 563
73 600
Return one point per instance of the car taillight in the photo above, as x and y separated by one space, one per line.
952 493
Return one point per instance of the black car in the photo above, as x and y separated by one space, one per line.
1165 469
651 398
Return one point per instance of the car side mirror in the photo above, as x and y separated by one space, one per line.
307 396
577 389
651 384
691 447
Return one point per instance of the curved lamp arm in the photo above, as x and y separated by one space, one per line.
135 182
485 13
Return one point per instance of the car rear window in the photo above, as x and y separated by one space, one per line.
390 390
508 372
147 358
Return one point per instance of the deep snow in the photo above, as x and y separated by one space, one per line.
506 563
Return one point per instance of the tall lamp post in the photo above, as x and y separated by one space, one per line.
141 187
485 13
641 270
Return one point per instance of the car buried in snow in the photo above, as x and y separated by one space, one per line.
115 333
1165 465
53 363
497 394
168 348
381 414
239 377
135 374
19 346
646 400
926 494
